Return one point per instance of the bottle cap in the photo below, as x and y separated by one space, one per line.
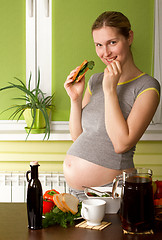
34 163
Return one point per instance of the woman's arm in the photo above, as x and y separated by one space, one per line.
76 115
75 125
124 134
75 92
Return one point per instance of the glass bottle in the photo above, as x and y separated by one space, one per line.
34 198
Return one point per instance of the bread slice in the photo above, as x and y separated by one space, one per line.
76 74
59 198
56 199
70 202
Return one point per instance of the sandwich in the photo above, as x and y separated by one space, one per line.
83 68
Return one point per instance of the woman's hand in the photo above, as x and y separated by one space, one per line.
75 91
112 75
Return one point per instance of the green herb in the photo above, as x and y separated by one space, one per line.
56 216
106 195
92 194
90 65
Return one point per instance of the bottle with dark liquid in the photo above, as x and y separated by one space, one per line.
137 209
34 198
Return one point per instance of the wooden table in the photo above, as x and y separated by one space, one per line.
13 226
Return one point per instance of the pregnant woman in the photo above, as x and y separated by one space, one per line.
117 107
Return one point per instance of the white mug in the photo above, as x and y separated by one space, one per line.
93 211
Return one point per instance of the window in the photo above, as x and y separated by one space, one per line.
39 42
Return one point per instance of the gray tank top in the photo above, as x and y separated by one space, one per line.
94 144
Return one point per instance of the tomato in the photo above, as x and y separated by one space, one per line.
47 206
49 194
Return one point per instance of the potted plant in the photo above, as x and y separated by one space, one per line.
36 110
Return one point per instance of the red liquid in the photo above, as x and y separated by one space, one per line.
137 209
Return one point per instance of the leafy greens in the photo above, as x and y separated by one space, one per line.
56 216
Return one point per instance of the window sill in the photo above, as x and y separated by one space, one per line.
14 131
153 133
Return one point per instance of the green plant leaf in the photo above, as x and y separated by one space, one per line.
20 82
46 118
29 81
37 87
33 113
35 99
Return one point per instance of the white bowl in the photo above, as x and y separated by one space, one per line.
112 205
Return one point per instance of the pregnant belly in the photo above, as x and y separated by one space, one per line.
78 172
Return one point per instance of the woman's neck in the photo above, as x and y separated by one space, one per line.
129 71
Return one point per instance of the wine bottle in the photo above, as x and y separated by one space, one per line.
34 198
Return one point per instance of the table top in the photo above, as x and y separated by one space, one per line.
13 226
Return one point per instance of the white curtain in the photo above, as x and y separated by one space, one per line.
158 54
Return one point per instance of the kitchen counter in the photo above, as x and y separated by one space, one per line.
13 226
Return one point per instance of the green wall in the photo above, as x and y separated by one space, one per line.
12 48
72 41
